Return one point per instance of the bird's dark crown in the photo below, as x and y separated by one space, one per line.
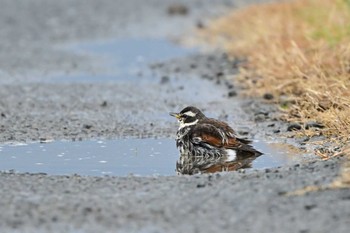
191 111
188 116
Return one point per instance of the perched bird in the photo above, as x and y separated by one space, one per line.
209 145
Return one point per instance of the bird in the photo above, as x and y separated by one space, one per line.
208 145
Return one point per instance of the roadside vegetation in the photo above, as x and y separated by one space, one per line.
298 51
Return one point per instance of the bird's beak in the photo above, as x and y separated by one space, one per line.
174 114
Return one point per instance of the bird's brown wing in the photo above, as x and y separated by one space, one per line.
220 125
214 136
224 127
208 134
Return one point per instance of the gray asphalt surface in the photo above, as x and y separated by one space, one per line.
32 37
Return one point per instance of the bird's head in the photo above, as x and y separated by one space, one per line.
188 116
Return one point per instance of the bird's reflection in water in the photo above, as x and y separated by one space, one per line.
190 165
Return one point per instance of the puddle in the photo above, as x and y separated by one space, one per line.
123 60
143 157
124 63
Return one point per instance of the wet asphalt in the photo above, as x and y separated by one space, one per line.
34 36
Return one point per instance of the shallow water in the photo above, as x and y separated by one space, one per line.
123 60
111 157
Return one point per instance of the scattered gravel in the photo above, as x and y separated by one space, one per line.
32 108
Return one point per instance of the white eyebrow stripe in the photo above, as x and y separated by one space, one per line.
190 113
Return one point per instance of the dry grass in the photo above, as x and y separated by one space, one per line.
300 52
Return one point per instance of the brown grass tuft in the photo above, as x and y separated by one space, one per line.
299 51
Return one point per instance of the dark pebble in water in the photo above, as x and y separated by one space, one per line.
293 126
193 66
232 93
268 96
313 124
271 125
200 185
276 131
3 115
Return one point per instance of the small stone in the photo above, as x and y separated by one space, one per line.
87 210
219 74
309 207
313 124
271 125
232 94
87 126
42 140
178 9
3 114
259 117
276 131
164 80
230 86
293 126
193 66
200 185
242 132
200 24
268 96
281 193
104 104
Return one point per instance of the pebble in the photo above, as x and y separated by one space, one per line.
178 9
293 126
232 94
313 124
164 80
104 104
268 96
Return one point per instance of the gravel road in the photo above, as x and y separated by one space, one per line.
35 105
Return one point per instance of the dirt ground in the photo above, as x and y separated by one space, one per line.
34 108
